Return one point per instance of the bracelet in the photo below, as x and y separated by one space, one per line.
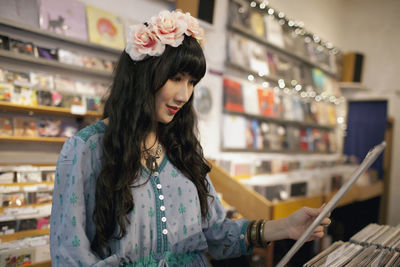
263 243
253 234
258 236
248 232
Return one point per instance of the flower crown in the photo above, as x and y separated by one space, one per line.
168 28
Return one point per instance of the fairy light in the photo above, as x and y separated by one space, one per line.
271 11
253 4
281 15
303 94
265 84
262 5
281 83
298 87
250 78
261 73
293 82
318 98
291 23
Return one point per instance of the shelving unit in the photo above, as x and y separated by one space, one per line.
18 139
22 234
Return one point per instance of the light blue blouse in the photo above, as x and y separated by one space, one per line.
166 226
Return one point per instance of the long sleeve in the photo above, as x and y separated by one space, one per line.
74 185
225 237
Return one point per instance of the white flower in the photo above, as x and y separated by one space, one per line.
168 28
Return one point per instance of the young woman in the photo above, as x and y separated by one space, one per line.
133 189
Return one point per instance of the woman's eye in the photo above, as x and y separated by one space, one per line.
176 79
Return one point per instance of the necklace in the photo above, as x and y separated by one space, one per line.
151 158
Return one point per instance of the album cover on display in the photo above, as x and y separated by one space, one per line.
332 114
253 134
238 50
93 103
47 53
279 108
85 88
288 109
317 140
56 99
6 90
64 85
283 67
319 80
257 23
21 47
22 11
44 98
258 58
4 42
250 99
92 62
49 127
271 63
297 108
298 189
68 100
42 81
68 129
105 28
274 31
239 14
25 126
233 131
293 137
304 141
308 117
69 57
64 17
23 96
233 96
6 128
266 101
288 38
262 167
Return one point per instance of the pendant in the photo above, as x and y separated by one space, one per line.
151 164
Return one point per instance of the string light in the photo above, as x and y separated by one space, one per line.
298 87
253 4
281 15
281 83
271 11
265 84
250 78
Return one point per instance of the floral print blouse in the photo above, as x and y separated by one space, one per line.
166 227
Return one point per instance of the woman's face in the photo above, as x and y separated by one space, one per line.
172 96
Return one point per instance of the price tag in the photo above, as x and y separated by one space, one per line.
78 110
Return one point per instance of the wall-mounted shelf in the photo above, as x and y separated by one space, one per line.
26 28
54 63
56 140
22 234
245 32
45 110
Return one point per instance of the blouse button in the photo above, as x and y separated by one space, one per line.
163 219
242 236
165 231
156 174
159 186
162 208
161 197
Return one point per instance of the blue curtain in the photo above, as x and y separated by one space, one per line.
366 124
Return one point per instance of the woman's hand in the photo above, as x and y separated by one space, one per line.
300 220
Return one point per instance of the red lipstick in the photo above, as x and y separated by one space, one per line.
173 110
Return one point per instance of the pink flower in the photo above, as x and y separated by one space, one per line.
169 29
142 41
193 29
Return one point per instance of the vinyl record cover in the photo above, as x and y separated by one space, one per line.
233 96
25 126
6 90
47 53
250 99
42 81
274 31
21 47
238 50
49 127
233 132
297 109
105 28
44 97
64 17
22 11
257 23
68 129
319 79
293 138
266 101
239 14
24 96
258 58
6 128
4 42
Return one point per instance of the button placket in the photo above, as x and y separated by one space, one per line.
164 230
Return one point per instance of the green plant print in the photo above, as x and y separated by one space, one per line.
73 221
92 145
76 242
174 173
58 178
61 200
74 160
148 193
181 209
184 230
73 179
58 241
73 198
91 178
150 212
179 191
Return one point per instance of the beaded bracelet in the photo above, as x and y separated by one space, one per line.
248 234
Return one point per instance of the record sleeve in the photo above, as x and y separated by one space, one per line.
25 126
258 59
64 85
68 129
6 128
42 81
233 96
24 96
233 132
238 50
266 102
21 47
69 57
239 14
257 23
250 99
49 127
4 42
6 90
22 11
274 31
47 53
44 97
105 28
64 17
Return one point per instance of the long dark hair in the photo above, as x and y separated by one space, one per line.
130 109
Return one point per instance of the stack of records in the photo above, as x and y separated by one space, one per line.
375 245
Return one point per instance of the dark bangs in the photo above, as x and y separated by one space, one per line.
186 58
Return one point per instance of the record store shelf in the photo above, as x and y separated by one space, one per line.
53 63
245 32
18 139
23 28
22 234
45 110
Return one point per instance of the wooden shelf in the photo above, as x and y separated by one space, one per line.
54 63
40 264
26 28
353 86
245 32
56 140
22 234
27 184
45 110
25 206
282 121
285 208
